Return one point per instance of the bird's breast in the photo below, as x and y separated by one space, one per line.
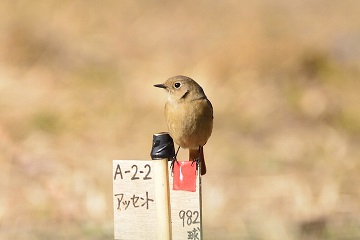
189 122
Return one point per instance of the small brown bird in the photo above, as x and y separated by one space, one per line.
189 116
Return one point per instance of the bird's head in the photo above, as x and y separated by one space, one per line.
181 87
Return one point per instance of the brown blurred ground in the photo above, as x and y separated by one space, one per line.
76 92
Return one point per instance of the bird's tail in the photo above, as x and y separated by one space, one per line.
194 154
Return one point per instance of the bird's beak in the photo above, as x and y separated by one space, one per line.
160 85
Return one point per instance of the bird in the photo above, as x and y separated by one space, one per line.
189 117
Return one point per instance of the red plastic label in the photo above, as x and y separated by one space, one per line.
184 176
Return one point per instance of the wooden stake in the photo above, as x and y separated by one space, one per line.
162 197
142 194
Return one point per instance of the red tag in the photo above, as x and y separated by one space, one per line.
184 176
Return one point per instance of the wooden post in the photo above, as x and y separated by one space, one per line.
162 150
162 197
151 201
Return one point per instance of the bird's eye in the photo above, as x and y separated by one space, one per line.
177 85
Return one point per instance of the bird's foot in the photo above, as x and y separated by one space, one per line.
197 161
173 160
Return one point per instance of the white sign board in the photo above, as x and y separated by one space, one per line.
135 204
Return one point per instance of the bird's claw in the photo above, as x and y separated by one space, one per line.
197 161
173 160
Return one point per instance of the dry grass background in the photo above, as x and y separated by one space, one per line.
76 92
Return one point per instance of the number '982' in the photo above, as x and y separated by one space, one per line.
189 217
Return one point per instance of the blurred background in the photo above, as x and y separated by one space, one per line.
76 92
